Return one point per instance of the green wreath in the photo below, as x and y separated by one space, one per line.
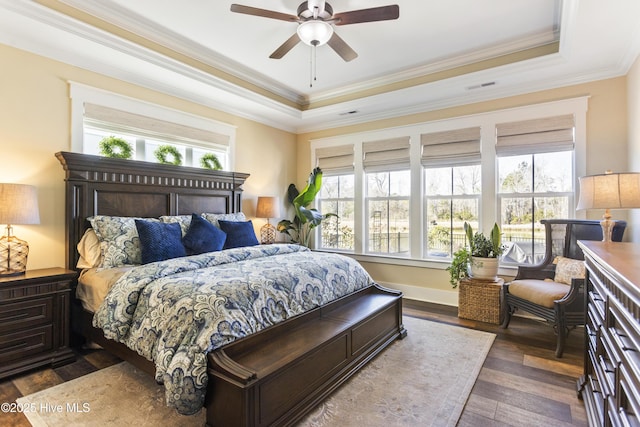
164 150
210 161
114 147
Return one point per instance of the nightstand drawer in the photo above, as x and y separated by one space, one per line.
26 314
21 344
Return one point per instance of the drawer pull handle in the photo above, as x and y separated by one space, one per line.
621 342
606 366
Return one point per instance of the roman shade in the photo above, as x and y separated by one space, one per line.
106 118
451 148
386 154
535 136
335 159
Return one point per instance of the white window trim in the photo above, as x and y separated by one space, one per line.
81 94
488 209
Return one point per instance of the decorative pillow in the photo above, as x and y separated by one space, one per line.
183 220
203 236
214 218
239 234
119 241
567 269
159 241
89 250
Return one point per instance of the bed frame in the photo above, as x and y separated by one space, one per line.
274 377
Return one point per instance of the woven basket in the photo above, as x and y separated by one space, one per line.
480 300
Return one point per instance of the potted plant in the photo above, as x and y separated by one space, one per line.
479 259
305 219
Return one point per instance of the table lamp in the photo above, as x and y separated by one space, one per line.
18 205
268 207
609 191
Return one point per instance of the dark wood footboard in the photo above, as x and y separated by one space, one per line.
277 376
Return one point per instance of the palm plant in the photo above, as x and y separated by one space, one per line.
305 219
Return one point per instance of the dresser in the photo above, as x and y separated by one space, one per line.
610 386
34 320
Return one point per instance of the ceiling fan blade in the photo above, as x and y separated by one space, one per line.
383 13
342 48
248 10
285 47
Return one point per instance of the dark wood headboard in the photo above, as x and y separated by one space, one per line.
98 185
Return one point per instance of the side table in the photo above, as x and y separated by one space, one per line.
34 320
480 299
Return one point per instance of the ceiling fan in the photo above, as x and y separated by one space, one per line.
315 19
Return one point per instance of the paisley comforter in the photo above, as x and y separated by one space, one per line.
174 312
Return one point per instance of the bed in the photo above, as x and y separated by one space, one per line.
269 367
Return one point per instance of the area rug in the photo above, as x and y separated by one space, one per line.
424 379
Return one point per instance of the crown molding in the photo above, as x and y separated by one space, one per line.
142 26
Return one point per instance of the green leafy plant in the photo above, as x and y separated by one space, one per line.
210 161
478 245
459 268
114 147
483 246
168 155
305 219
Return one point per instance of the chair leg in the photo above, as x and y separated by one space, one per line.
507 316
561 332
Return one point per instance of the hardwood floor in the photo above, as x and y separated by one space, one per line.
521 382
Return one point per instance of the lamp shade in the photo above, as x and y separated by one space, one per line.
610 191
315 32
19 204
268 207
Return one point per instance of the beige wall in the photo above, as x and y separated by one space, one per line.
606 145
35 124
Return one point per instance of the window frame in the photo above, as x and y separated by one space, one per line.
336 200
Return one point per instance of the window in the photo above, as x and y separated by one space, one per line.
452 172
452 197
388 187
387 207
337 196
97 114
535 181
403 194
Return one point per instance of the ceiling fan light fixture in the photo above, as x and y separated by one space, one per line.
315 32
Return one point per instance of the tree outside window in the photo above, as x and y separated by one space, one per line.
532 187
337 196
452 197
387 205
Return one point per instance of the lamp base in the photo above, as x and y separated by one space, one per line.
607 226
13 256
267 234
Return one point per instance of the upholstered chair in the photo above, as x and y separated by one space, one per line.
553 289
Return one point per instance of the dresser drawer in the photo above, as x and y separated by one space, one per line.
25 314
18 345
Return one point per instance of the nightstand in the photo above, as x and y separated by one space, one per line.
34 320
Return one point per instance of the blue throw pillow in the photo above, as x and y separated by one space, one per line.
159 241
202 236
239 234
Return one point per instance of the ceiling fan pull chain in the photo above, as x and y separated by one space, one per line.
312 63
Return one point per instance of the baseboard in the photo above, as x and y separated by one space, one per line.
418 293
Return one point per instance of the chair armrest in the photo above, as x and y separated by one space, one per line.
574 291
